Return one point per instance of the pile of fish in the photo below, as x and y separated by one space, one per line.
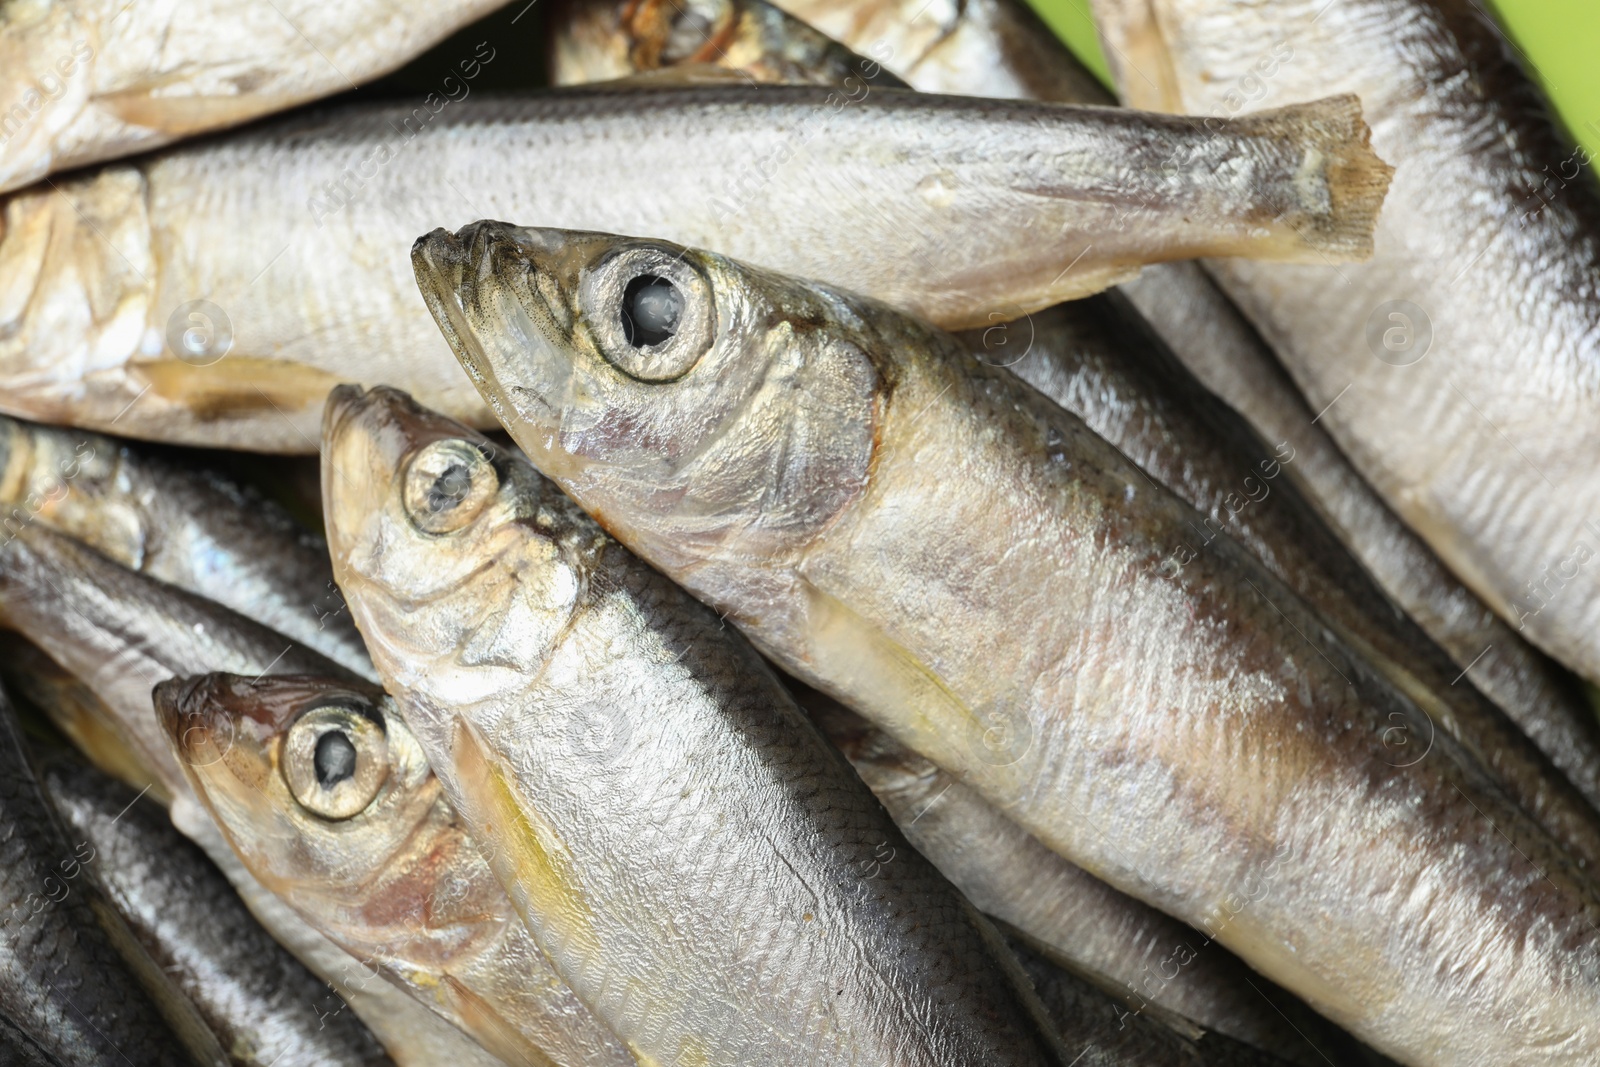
796 535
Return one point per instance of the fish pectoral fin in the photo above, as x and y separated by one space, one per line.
235 385
179 116
926 715
523 848
489 1028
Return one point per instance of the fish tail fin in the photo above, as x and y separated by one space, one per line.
1341 181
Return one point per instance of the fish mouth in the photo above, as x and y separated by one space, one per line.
503 297
439 259
195 718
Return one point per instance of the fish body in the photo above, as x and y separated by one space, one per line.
120 633
187 526
20 1050
598 40
1457 368
1147 958
213 294
1098 360
1109 1033
259 1001
389 873
1226 353
703 871
86 81
64 987
1206 331
72 708
934 543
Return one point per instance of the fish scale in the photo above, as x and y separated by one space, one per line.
981 601
192 528
748 853
398 883
1070 915
254 995
1099 361
998 48
87 81
280 252
119 633
1507 279
64 985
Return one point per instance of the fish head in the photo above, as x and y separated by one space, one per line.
444 544
316 782
698 407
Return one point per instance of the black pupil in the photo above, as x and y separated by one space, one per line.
450 488
335 759
651 308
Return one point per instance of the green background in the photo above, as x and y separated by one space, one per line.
1559 41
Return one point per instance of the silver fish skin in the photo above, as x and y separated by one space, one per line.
1108 1034
992 48
20 1050
935 544
1457 368
1230 358
257 999
1099 360
1000 867
120 633
1152 962
245 273
702 870
598 40
185 525
1208 333
63 984
376 859
87 80
71 706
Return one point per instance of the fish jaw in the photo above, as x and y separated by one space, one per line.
469 281
229 755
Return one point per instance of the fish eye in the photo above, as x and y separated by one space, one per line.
650 311
447 484
335 759
651 308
